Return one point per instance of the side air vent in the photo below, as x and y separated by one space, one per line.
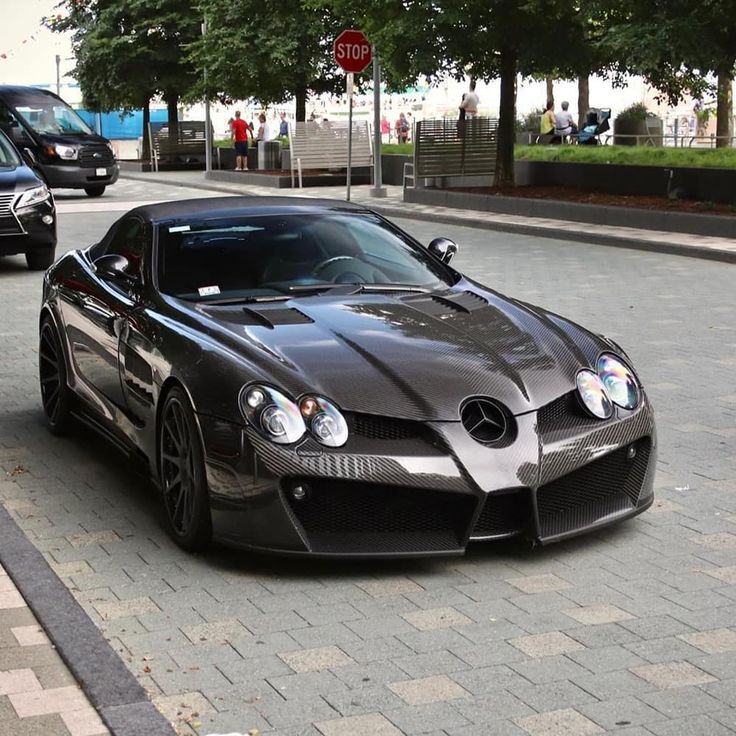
485 421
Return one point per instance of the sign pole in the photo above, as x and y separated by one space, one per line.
349 78
378 190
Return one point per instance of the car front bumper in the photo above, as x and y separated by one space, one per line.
407 489
66 176
27 230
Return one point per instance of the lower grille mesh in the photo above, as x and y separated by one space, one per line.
504 514
605 487
363 517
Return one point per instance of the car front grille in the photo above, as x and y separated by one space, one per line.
6 204
562 413
504 514
94 156
380 428
601 489
346 517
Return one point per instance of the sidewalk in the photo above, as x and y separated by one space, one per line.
698 246
38 694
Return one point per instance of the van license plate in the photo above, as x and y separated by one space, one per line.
100 172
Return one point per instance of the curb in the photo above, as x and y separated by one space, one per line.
579 235
108 684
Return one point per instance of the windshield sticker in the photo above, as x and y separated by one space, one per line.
208 290
180 229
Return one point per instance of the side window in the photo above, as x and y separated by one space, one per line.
130 240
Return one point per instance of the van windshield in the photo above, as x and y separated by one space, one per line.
46 113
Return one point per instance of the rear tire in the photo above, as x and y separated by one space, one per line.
55 394
182 474
96 191
40 259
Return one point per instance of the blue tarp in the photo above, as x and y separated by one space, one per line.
120 126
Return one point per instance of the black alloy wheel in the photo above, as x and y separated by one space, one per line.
182 474
55 394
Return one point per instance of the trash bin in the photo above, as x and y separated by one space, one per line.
269 155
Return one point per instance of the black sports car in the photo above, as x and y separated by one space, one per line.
301 376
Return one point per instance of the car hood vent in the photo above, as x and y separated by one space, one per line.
275 316
436 305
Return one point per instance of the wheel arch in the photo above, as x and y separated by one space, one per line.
170 383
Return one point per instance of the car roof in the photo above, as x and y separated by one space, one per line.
190 209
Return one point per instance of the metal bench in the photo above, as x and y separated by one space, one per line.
445 148
325 146
190 146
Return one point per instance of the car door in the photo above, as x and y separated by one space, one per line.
95 309
139 338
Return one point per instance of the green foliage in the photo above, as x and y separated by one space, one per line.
633 113
530 122
403 149
266 50
128 50
715 158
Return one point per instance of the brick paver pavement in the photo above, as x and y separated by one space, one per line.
37 693
628 630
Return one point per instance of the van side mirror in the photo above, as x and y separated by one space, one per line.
30 158
114 267
444 248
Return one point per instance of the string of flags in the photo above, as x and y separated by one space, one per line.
11 52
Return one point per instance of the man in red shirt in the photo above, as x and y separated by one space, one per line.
239 130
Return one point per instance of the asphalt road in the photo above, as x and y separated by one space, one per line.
630 630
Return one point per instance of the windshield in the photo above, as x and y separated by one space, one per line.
262 255
46 113
8 156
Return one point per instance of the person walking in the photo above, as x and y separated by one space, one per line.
469 103
239 129
283 126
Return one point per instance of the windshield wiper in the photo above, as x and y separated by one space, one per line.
247 300
348 289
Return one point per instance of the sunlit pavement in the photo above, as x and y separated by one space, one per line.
632 629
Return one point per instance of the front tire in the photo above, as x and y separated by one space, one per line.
96 191
40 259
55 394
182 474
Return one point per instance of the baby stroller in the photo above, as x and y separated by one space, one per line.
596 122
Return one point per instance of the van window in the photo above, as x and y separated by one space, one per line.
8 156
46 113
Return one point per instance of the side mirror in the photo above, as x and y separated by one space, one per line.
113 267
443 248
30 158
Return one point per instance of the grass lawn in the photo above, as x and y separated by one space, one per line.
406 149
718 158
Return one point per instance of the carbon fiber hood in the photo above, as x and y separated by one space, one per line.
415 357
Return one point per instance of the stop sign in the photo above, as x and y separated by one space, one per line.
352 51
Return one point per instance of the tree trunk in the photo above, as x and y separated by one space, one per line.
172 115
550 88
583 99
506 120
724 109
301 105
146 147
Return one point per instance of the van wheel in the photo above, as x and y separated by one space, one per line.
97 191
40 259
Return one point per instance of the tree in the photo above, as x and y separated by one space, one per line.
486 39
127 51
675 45
267 50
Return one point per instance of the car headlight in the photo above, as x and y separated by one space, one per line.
33 196
272 413
619 380
324 421
69 153
593 394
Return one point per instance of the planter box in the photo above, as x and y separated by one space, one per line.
392 168
706 185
